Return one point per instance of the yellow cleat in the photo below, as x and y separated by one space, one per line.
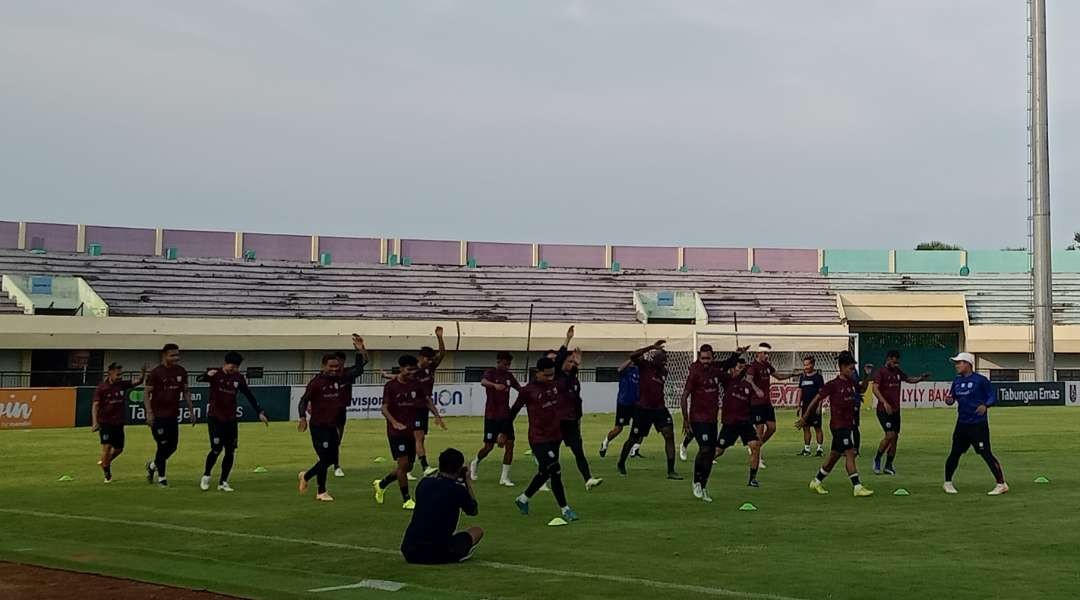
816 486
410 504
379 492
861 492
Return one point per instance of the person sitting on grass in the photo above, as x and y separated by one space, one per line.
430 537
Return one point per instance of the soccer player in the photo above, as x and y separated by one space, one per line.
425 378
164 387
430 537
973 395
887 391
498 429
541 396
810 383
570 409
651 413
700 415
761 410
225 384
342 418
323 398
403 403
625 403
840 393
107 414
739 393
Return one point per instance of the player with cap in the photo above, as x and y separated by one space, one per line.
973 395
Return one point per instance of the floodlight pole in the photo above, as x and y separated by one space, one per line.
1041 272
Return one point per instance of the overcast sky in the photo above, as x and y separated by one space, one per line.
791 123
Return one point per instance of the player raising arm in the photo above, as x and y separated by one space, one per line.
425 377
651 413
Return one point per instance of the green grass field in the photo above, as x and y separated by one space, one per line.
638 537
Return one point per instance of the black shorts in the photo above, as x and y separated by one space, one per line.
493 428
971 435
223 434
704 433
761 414
842 440
421 422
166 431
452 551
404 445
571 431
889 422
813 420
112 435
546 455
729 434
624 414
324 439
342 418
646 419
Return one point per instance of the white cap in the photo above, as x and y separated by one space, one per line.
967 357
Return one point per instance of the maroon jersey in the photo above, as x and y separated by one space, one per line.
224 388
425 380
569 397
840 393
167 385
761 373
402 400
738 395
888 380
323 399
542 401
111 398
703 383
651 386
498 403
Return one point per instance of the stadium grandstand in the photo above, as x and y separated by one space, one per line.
77 297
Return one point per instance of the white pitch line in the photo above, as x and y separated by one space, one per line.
371 584
663 585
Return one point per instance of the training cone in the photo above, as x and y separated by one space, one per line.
556 522
901 492
66 478
528 453
1041 479
261 469
748 506
380 459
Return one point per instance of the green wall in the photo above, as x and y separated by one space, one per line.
928 261
1066 261
998 261
857 261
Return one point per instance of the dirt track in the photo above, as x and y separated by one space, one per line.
21 582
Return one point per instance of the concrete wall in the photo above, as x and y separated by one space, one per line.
352 250
431 252
197 360
928 261
786 260
58 237
998 261
500 254
122 240
572 255
857 261
1066 261
645 257
715 259
200 244
9 234
272 246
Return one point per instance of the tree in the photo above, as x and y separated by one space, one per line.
936 245
1076 242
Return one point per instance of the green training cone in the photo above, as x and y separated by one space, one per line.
556 522
66 478
901 492
747 506
1042 479
380 459
261 469
528 453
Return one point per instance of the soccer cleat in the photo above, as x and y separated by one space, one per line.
816 486
949 488
380 493
622 469
522 505
99 463
674 476
593 482
469 554
302 482
108 480
761 463
324 497
862 492
705 497
409 504
753 483
410 477
150 469
635 451
682 452
819 452
163 483
544 488
225 487
473 466
877 467
999 489
338 472
603 447
204 483
506 483
428 472
804 452
569 514
889 470
697 490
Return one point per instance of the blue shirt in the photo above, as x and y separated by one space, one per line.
969 392
629 380
809 386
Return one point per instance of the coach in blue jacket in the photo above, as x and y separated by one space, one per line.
974 395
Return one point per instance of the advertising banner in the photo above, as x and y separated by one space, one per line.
1072 393
273 399
1049 393
22 408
